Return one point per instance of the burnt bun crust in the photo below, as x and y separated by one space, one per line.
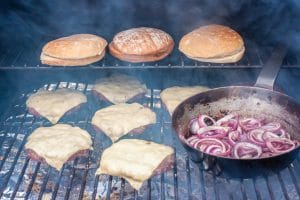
213 43
141 45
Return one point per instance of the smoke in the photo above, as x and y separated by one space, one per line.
256 19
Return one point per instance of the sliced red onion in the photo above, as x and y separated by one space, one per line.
283 134
250 124
202 120
272 126
239 129
280 145
233 137
214 146
256 136
225 119
246 150
268 134
249 138
212 128
194 126
213 132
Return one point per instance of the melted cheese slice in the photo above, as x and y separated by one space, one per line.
118 120
56 144
120 88
134 160
54 104
173 96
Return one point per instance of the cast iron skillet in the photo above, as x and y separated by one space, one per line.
259 100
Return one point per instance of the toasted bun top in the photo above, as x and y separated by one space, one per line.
141 41
75 47
211 41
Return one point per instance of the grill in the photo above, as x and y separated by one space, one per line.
23 178
21 74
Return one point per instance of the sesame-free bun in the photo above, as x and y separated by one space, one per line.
213 43
141 45
74 50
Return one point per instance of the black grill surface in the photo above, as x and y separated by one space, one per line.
22 178
27 25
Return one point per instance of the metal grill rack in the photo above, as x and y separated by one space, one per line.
26 54
22 178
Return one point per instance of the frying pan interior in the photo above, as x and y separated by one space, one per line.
244 101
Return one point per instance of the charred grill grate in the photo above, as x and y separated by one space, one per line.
22 178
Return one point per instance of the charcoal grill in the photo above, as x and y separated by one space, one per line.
21 74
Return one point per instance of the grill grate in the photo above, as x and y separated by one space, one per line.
22 178
16 57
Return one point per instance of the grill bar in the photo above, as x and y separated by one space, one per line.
29 189
57 183
76 180
20 179
44 184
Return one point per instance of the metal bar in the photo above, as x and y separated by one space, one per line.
188 174
269 187
44 184
294 180
243 189
16 157
95 187
258 196
54 193
135 195
8 150
109 188
286 196
122 188
13 195
149 189
215 187
175 178
69 188
202 183
28 191
162 186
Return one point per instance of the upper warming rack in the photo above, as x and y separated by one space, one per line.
26 55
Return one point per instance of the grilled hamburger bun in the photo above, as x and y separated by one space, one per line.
74 50
213 43
141 45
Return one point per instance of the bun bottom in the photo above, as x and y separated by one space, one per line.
140 58
227 59
48 60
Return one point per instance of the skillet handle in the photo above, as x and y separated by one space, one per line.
269 72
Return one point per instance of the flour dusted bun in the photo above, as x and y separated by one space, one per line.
141 45
213 43
74 50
